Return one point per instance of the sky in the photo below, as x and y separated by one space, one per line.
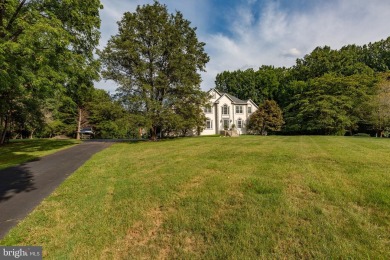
242 34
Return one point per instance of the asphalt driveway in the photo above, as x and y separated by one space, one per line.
23 187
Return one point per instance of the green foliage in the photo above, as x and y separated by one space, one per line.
377 55
258 86
268 117
331 104
326 92
155 59
43 45
380 106
108 117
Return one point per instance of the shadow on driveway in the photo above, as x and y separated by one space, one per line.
15 180
23 187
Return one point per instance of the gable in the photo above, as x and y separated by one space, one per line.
224 99
250 102
214 95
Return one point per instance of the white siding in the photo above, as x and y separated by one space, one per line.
218 119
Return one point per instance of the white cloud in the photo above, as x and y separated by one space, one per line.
293 52
278 37
273 34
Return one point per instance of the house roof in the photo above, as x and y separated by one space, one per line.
253 103
234 99
213 89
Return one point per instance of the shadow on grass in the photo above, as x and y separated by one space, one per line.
20 151
34 145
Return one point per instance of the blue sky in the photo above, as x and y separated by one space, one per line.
241 34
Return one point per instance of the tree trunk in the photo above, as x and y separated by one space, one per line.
32 133
153 133
79 123
4 133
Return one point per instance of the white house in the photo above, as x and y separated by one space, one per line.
226 110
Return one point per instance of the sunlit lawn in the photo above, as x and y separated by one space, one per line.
20 151
221 198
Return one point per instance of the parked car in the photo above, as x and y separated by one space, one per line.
87 133
87 130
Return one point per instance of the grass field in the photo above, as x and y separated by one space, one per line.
20 151
221 198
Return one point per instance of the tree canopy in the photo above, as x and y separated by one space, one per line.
269 117
156 58
326 92
48 67
44 46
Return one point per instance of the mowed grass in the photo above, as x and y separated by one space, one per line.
20 151
250 197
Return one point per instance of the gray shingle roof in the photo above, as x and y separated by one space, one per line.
234 99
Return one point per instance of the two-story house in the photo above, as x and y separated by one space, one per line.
225 111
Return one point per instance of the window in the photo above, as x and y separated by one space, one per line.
207 109
249 110
209 124
225 110
239 123
238 109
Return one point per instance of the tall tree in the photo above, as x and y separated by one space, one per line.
377 55
109 118
268 117
81 21
30 39
155 59
260 85
43 43
380 117
330 104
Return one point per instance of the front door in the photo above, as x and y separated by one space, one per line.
226 124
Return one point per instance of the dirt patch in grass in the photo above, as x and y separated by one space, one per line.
149 234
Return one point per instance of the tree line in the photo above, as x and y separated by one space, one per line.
330 92
46 54
49 62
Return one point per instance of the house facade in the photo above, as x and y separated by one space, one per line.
225 111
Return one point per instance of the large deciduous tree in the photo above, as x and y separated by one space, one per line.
331 104
43 45
155 59
259 85
380 117
268 117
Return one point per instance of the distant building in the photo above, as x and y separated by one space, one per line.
225 111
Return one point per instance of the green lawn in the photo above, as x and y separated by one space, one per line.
221 198
20 151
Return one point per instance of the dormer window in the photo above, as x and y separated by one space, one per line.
249 110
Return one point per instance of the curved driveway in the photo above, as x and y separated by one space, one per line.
23 187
